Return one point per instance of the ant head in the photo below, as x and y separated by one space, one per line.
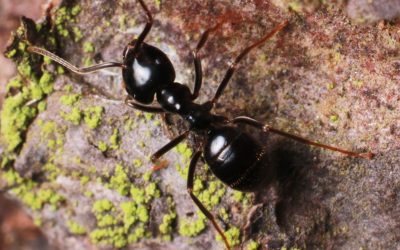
146 69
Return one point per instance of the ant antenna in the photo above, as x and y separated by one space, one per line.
71 67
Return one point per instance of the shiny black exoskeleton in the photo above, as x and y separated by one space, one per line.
233 156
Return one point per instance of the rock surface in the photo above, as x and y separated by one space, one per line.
323 77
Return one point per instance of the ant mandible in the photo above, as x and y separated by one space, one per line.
233 156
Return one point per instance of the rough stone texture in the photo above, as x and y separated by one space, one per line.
323 77
372 11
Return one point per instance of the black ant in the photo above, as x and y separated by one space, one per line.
232 155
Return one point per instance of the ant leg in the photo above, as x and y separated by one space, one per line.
190 180
145 108
167 147
233 65
81 71
267 128
198 80
136 43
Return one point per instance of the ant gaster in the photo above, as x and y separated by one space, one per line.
232 155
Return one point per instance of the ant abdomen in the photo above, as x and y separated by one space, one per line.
236 158
146 69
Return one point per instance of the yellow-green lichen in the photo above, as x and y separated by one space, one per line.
151 192
334 118
77 34
190 228
232 235
102 146
74 116
137 163
102 205
64 16
71 99
18 109
252 245
88 47
120 181
114 139
137 194
92 116
75 228
147 176
84 180
129 210
166 227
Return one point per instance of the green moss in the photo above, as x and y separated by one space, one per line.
92 116
74 116
75 228
88 47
